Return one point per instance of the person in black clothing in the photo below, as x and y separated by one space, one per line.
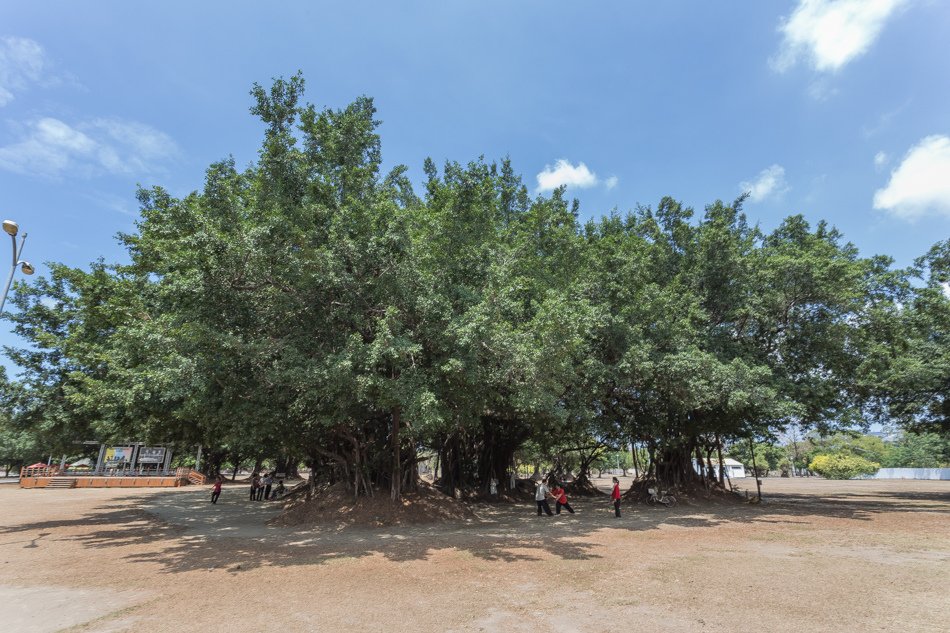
615 497
216 491
541 498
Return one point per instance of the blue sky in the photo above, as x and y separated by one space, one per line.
834 109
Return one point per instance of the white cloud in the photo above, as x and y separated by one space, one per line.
770 183
611 182
921 183
831 33
112 202
50 147
564 173
880 159
21 63
946 289
821 90
884 120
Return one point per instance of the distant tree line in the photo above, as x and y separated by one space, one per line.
857 453
309 309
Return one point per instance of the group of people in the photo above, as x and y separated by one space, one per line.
556 491
262 488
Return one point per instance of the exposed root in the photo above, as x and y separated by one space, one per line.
692 494
336 506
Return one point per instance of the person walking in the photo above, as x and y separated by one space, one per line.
615 495
216 491
560 499
255 484
268 482
541 497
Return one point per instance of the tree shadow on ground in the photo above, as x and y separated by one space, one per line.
858 504
183 532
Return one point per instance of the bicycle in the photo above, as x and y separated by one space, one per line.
662 497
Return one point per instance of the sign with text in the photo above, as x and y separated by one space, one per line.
116 455
151 455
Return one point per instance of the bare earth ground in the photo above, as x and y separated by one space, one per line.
818 556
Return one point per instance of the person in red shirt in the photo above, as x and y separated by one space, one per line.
216 491
615 495
560 499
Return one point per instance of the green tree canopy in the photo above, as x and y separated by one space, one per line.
312 308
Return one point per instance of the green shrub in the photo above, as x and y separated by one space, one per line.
842 466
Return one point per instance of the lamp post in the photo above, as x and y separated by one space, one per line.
11 228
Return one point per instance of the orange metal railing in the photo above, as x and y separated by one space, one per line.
44 471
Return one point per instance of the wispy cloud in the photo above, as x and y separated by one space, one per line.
51 147
881 159
564 173
113 202
821 90
770 183
21 63
829 34
884 120
921 183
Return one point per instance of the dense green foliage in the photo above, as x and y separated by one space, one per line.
769 457
311 309
910 450
840 466
923 450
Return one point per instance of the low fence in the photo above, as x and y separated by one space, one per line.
102 482
912 473
39 471
193 476
50 476
55 471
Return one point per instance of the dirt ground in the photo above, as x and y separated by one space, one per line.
817 556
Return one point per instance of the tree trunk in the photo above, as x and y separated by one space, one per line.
673 462
722 466
755 469
212 465
395 491
287 464
710 470
312 479
651 454
235 464
702 466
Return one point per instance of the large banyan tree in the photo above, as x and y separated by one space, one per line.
311 309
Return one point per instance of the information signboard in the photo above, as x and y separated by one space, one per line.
116 455
151 455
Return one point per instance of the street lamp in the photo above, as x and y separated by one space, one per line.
11 228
